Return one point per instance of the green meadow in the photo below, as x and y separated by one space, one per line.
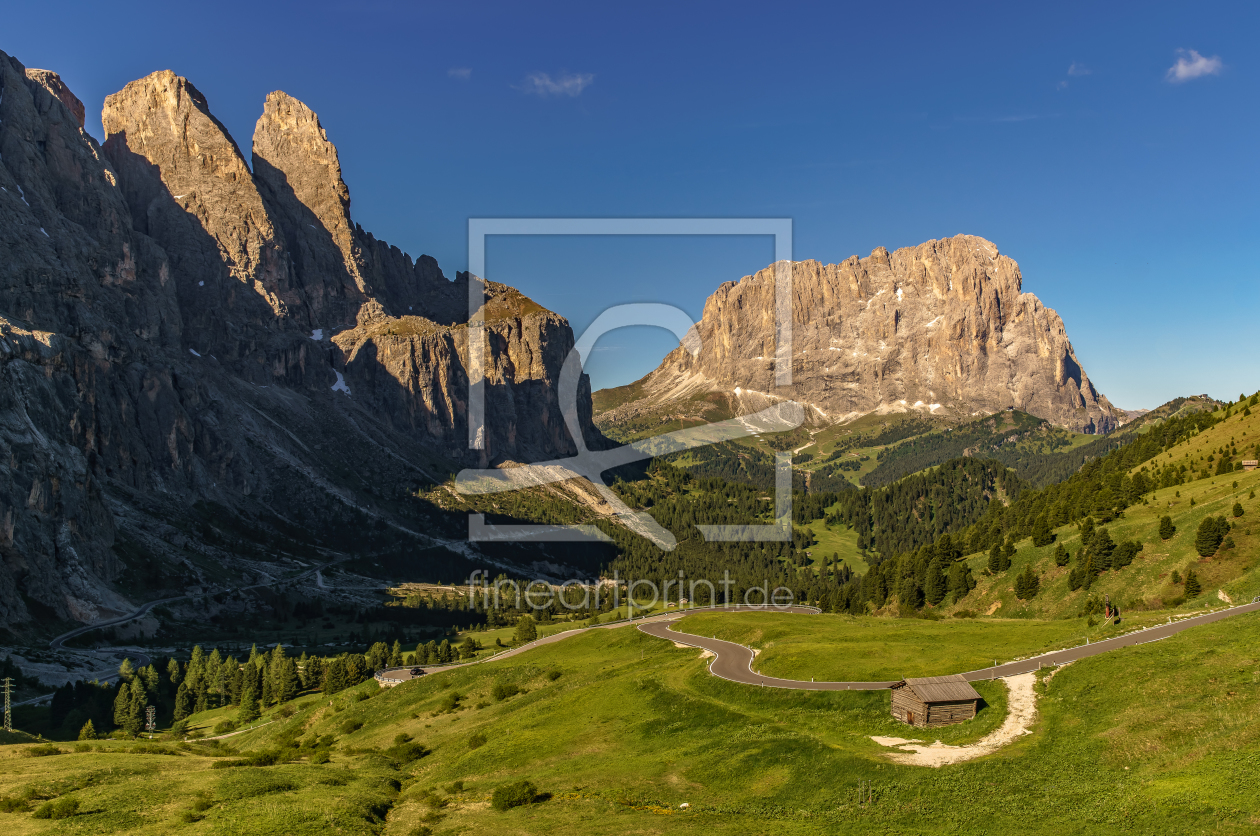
617 729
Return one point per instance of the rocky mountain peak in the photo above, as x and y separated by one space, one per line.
52 82
941 327
186 343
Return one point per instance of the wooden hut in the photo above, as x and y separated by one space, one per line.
934 701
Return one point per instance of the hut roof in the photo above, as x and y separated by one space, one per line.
940 688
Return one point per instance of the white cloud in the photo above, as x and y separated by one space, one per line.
462 73
1079 69
1190 64
567 84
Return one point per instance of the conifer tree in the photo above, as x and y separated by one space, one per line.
1061 556
173 672
909 594
1166 528
1087 531
1027 584
525 630
395 655
356 668
135 711
88 732
313 673
183 702
1042 535
126 671
287 683
1076 577
1209 536
934 586
960 581
122 700
249 703
995 558
1238 509
1193 587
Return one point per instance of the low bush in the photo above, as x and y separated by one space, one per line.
350 726
406 753
225 726
554 675
516 794
502 690
41 751
267 757
476 741
13 805
321 756
62 808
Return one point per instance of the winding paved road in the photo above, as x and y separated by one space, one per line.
734 661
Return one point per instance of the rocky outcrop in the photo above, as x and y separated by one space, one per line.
52 82
190 350
942 328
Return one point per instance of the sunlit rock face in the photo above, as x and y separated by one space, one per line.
941 328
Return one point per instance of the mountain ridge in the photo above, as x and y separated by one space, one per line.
943 327
178 331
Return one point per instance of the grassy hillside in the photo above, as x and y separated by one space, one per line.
633 727
1147 584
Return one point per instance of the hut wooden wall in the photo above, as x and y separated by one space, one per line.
947 713
904 702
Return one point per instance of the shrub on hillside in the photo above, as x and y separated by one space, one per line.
405 753
62 808
477 740
1166 528
516 794
41 751
502 690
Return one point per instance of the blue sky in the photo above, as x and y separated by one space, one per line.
1127 195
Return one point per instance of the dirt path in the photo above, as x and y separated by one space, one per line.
1020 713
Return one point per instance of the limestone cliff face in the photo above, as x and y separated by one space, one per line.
942 327
184 341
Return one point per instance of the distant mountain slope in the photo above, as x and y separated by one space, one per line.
942 328
1039 452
